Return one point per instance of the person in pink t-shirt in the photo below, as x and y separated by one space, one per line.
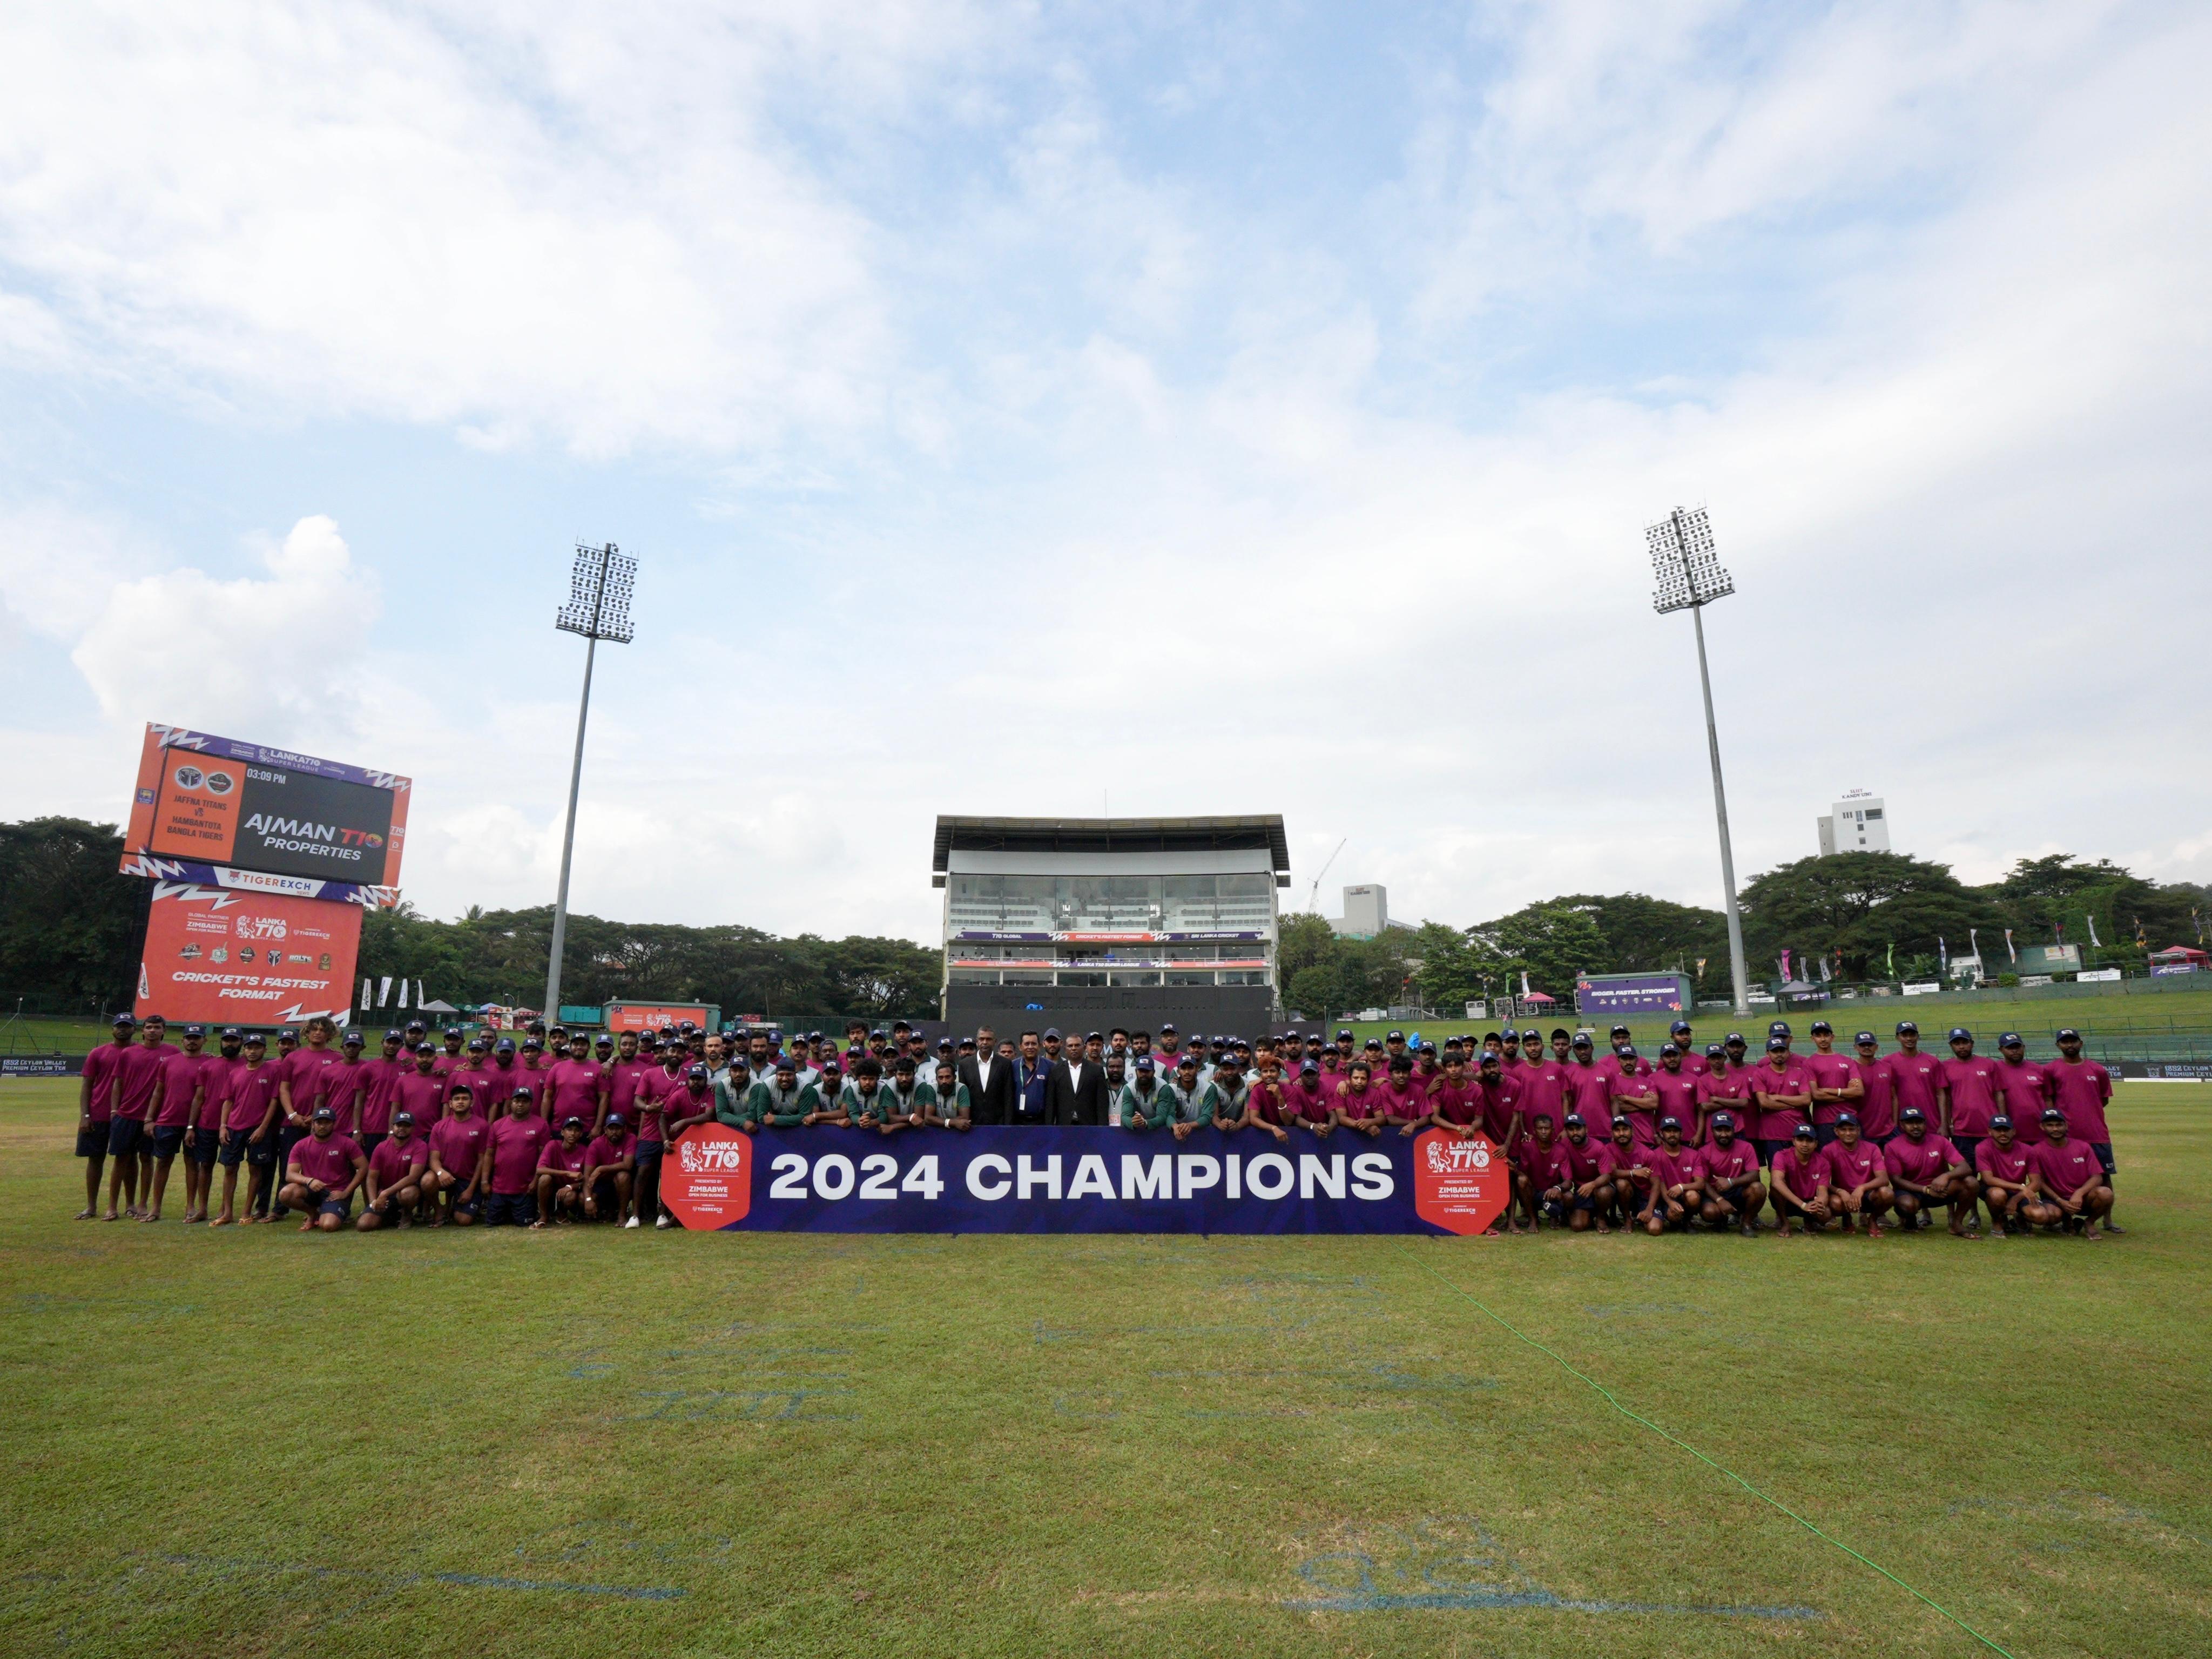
95 1112
1588 1089
1359 1103
1798 1185
2068 1176
394 1191
137 1092
1546 1175
1969 1093
1726 1086
610 1166
250 1122
1629 1094
1858 1176
1925 1171
380 1091
1680 1092
2001 1173
1837 1087
1455 1103
420 1092
1728 1176
324 1171
579 1084
514 1143
459 1145
2082 1088
1916 1076
1783 1091
1677 1190
560 1169
174 1110
1877 1108
1590 1191
1627 1174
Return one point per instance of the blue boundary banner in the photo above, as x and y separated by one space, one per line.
1079 1180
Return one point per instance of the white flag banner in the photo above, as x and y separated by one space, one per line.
384 992
402 992
2093 939
367 1001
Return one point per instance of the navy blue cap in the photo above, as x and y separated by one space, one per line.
1776 1045
1619 1031
1049 1032
522 1094
1187 1059
504 1046
534 1044
786 1063
697 1074
453 1031
1714 1051
349 1040
404 1116
324 1113
1674 1123
2010 1040
1397 1036
572 1121
2002 1120
1960 1034
230 1034
1620 1121
1530 1034
614 1120
194 1030
1679 1025
1627 1051
1724 1120
393 1034
1167 1028
1667 1051
1821 1026
1851 1118
1145 1063
1735 1036
1574 1119
291 1032
1342 1031
1867 1037
1905 1025
1312 1068
1913 1115
2069 1035
254 1037
123 1019
1582 1040
417 1025
1777 1028
2052 1114
1803 1132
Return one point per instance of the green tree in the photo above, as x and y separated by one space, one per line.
1859 904
71 926
2039 897
1639 934
1554 943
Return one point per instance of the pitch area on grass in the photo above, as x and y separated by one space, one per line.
581 1442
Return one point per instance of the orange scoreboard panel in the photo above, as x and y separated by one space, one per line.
222 802
229 958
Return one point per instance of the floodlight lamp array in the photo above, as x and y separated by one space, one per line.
598 594
1687 570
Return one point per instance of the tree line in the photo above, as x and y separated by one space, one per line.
71 927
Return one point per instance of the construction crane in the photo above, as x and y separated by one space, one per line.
1313 898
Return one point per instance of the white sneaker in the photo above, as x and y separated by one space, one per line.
632 1222
664 1222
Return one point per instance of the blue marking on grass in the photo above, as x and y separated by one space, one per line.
1385 1601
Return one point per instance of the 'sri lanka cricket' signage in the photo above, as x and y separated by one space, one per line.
1077 1180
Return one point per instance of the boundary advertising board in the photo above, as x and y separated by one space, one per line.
227 958
651 1016
220 801
715 1178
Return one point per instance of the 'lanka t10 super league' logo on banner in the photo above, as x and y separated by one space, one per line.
1460 1185
706 1177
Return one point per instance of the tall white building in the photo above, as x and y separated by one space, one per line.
1366 913
1858 824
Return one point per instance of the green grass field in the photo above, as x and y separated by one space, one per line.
585 1442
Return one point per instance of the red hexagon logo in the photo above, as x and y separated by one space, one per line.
706 1177
1460 1185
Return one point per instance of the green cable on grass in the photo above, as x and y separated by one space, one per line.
1606 1395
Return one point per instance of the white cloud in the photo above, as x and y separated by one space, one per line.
245 655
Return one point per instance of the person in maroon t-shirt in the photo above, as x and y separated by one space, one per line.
2024 1086
2068 1176
610 1166
95 1112
1970 1094
1588 1088
1454 1101
1836 1088
1547 1173
1925 1170
1677 1196
459 1149
138 1090
394 1189
1499 1097
2000 1169
1877 1108
560 1169
1798 1186
251 1114
1783 1090
1590 1192
324 1171
1726 1087
1680 1092
2082 1088
1917 1076
1729 1172
1858 1176
1627 1173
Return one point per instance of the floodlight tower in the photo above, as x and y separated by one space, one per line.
599 609
1691 577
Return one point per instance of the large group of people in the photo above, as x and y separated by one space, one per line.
558 1126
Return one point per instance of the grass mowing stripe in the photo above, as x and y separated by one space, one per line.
1604 1394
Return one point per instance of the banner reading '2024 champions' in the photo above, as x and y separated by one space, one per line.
827 1179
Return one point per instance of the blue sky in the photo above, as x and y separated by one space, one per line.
1189 409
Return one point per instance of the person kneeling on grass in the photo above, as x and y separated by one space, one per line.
1729 1187
1856 1174
2069 1178
395 1177
460 1143
1677 1180
325 1168
561 1168
1628 1173
2001 1172
1797 1184
1926 1170
610 1167
1547 1175
1590 1194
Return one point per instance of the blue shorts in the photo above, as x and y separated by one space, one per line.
1968 1145
168 1142
203 1145
340 1208
2104 1151
1737 1198
509 1209
1823 1133
92 1139
1767 1149
468 1206
123 1136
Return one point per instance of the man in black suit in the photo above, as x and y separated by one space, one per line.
990 1080
1075 1092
